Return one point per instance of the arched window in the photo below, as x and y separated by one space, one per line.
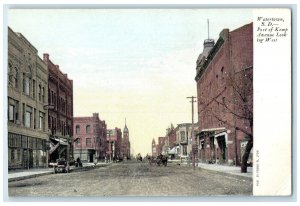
88 129
77 129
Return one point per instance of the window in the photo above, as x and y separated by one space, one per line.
184 150
182 136
34 119
78 141
88 141
16 78
25 84
27 119
40 92
43 94
33 88
88 129
28 116
11 113
42 121
77 129
222 72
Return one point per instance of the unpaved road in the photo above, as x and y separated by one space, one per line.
133 179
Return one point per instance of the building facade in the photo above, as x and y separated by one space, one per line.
114 143
225 96
160 144
183 137
60 118
27 96
89 138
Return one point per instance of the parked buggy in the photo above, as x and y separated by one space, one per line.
61 166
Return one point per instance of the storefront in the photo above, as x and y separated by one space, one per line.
26 152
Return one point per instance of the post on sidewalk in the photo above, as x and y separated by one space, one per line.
193 138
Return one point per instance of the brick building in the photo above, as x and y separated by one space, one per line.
159 145
114 143
60 118
27 96
89 138
225 95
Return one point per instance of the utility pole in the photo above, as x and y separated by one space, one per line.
193 138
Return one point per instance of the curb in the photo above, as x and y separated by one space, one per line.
28 176
76 169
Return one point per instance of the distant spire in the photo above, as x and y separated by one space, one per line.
208 27
125 121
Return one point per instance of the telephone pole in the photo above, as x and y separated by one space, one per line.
193 138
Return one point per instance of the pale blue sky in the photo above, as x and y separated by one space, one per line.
138 64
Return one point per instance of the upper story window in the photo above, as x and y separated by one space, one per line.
78 141
88 129
77 129
88 141
43 94
40 92
25 84
182 136
42 121
33 88
11 113
28 117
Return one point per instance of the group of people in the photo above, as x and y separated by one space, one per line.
159 160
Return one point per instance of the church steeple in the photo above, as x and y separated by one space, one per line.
125 131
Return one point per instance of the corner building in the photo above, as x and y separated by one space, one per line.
27 84
89 138
221 69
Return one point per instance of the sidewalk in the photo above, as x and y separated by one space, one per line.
15 175
232 170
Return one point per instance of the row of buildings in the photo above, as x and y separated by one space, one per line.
41 125
177 143
224 79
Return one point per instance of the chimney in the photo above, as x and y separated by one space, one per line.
46 57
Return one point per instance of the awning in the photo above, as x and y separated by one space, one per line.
172 151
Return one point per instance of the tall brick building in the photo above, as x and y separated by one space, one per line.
60 119
27 83
225 96
89 138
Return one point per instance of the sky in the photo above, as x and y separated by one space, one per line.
137 64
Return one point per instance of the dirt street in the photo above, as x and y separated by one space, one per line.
133 179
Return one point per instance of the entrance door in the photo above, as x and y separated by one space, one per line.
25 159
223 149
91 157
